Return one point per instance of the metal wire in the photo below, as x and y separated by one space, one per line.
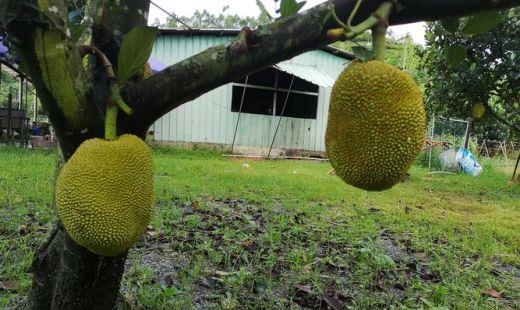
239 113
172 15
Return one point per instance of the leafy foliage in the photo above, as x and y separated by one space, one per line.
402 53
290 7
135 50
481 67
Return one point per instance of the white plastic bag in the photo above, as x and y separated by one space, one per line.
468 162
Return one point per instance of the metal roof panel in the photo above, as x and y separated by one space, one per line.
309 73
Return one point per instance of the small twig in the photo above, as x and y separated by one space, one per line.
109 71
375 18
353 13
335 16
105 62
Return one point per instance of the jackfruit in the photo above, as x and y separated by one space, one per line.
376 125
147 73
478 110
105 194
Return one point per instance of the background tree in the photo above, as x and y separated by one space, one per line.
204 19
74 92
468 72
400 52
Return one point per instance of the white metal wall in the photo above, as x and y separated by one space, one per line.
209 117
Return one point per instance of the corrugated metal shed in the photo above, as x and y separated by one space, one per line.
209 118
309 73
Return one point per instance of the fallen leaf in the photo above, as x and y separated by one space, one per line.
491 293
9 285
22 230
304 287
219 273
209 282
333 302
168 281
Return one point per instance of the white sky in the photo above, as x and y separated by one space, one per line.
249 8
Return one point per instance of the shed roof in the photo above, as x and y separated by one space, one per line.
234 32
309 73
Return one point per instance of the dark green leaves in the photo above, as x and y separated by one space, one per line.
290 7
482 22
135 50
476 24
455 55
452 25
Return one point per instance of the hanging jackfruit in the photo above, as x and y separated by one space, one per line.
105 195
376 125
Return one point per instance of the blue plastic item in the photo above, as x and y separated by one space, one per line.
468 162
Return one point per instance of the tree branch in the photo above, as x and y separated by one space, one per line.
39 32
271 44
502 120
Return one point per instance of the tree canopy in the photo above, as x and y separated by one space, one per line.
470 72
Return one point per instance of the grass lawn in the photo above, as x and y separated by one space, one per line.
286 234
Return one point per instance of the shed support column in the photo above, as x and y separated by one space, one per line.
35 107
20 92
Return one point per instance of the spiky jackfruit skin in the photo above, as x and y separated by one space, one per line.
105 194
376 125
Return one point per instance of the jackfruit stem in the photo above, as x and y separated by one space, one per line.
379 42
347 33
111 120
116 97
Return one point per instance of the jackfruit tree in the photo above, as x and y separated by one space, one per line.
486 67
86 71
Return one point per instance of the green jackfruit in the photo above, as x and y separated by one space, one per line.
105 194
376 125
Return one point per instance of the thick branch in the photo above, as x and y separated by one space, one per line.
39 32
111 20
271 44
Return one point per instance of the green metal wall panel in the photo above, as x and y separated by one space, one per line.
209 118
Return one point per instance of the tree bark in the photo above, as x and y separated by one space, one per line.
68 276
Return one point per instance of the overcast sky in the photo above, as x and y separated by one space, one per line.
249 8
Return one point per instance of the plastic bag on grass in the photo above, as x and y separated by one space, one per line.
468 162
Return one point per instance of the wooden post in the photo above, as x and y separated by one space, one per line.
35 107
20 91
468 133
516 168
9 115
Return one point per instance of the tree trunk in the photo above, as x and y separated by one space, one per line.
68 276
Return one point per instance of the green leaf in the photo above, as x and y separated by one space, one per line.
261 5
135 50
482 22
455 55
76 31
362 53
290 7
452 25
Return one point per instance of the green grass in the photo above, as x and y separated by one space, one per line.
284 234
